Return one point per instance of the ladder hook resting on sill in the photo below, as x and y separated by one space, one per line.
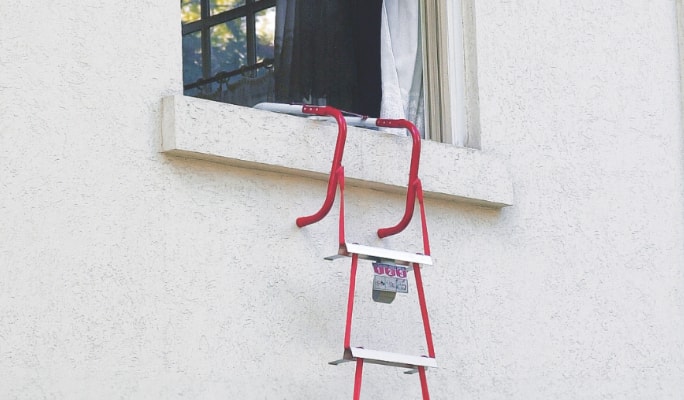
336 171
414 189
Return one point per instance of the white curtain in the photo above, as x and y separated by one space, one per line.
402 62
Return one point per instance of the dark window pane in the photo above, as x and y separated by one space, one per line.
265 32
219 6
192 57
228 46
190 10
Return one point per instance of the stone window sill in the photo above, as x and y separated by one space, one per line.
256 139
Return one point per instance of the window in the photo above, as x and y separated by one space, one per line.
334 52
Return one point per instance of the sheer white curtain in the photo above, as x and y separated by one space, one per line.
402 62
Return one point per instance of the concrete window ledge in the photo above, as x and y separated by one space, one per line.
250 138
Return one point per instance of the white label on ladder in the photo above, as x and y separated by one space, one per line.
390 278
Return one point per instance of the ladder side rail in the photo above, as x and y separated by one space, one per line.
340 181
358 376
423 383
350 301
423 311
423 219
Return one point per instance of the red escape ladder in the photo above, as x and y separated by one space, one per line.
391 260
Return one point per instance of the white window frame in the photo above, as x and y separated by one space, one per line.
450 66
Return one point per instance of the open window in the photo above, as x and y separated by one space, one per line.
390 59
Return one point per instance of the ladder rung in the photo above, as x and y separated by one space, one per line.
380 254
386 358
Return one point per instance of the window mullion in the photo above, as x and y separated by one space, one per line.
206 40
206 52
204 9
251 35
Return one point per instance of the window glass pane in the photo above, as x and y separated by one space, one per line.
219 6
228 45
265 32
190 10
192 57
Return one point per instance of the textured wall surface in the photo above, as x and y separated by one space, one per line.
128 273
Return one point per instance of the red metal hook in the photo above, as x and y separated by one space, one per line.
414 185
334 178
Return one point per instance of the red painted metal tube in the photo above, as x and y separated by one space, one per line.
415 135
423 219
340 181
336 163
423 310
423 383
413 174
358 376
350 301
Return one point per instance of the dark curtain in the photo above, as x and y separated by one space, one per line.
366 17
335 56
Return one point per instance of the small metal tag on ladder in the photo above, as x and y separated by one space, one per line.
389 279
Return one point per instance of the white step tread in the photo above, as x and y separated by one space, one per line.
381 254
386 358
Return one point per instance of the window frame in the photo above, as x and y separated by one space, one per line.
449 63
450 72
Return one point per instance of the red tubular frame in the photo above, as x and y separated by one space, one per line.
336 171
423 311
423 383
358 377
350 301
414 191
426 326
415 188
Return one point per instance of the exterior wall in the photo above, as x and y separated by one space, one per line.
584 100
130 273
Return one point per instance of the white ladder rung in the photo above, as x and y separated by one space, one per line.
386 358
380 254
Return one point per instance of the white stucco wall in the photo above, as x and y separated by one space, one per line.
131 273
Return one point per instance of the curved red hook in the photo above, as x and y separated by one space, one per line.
413 183
336 163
